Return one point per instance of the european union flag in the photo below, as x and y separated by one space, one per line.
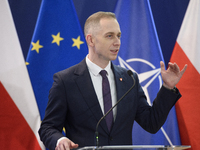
140 52
57 44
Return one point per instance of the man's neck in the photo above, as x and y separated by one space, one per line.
98 62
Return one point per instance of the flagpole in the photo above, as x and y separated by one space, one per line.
167 137
162 129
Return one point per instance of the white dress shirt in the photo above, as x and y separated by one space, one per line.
97 83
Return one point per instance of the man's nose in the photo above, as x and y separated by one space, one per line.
117 41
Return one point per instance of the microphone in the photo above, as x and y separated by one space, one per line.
130 73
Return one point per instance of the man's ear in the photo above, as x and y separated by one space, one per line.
89 40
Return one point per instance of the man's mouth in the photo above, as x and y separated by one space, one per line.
114 51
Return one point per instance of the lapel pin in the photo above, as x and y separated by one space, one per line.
120 79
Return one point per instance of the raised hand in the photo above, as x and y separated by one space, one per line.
172 75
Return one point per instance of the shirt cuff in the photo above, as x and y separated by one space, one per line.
60 140
174 90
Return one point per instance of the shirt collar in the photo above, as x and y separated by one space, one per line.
95 69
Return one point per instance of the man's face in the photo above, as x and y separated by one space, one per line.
107 40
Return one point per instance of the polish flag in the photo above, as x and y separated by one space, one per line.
187 51
19 115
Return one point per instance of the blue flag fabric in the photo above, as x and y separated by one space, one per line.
57 44
140 52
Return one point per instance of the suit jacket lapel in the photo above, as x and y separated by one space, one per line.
121 82
85 85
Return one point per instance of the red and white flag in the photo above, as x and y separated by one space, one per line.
187 51
19 115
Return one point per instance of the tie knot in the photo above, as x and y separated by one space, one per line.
103 73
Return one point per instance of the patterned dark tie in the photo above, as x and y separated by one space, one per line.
107 98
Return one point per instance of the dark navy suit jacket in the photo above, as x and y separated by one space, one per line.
73 104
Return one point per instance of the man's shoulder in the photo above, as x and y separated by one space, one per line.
124 73
120 69
73 69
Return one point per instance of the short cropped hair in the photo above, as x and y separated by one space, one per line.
93 21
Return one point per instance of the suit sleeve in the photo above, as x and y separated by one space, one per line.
152 118
53 122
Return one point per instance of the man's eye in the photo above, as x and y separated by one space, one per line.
109 36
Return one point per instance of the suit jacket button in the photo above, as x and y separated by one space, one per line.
111 138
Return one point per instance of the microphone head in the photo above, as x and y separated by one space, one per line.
130 72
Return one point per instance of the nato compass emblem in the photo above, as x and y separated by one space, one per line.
149 76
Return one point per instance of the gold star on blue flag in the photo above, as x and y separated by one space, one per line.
52 49
77 42
57 39
36 46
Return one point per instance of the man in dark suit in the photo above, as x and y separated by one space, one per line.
76 97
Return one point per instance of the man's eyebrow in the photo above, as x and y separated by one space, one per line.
109 33
112 33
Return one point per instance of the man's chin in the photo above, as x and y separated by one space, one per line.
113 58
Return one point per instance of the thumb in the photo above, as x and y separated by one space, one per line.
162 66
73 145
183 70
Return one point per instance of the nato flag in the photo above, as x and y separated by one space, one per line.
140 52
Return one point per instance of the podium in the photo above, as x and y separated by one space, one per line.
132 147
